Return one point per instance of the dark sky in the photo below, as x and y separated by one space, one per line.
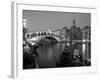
43 20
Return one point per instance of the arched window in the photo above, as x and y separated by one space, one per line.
38 34
33 35
28 36
42 33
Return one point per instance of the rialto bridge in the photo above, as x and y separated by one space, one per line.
37 36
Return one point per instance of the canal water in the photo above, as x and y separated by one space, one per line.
48 54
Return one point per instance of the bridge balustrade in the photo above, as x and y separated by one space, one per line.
33 35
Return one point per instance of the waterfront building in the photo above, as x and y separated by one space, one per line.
63 33
86 36
75 37
58 32
75 32
86 33
67 34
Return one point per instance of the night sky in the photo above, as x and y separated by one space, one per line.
43 20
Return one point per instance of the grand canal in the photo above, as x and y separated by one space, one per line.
48 54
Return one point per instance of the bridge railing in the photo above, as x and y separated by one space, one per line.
31 35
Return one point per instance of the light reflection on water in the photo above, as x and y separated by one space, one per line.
48 53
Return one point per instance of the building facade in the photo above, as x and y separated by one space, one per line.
86 36
75 32
64 33
75 36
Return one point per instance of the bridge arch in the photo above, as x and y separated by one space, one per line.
52 39
37 36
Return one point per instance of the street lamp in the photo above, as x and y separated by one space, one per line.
24 23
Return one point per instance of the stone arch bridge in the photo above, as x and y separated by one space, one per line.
37 36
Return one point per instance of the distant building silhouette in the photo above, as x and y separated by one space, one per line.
75 32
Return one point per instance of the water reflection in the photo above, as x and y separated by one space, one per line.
56 55
48 53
